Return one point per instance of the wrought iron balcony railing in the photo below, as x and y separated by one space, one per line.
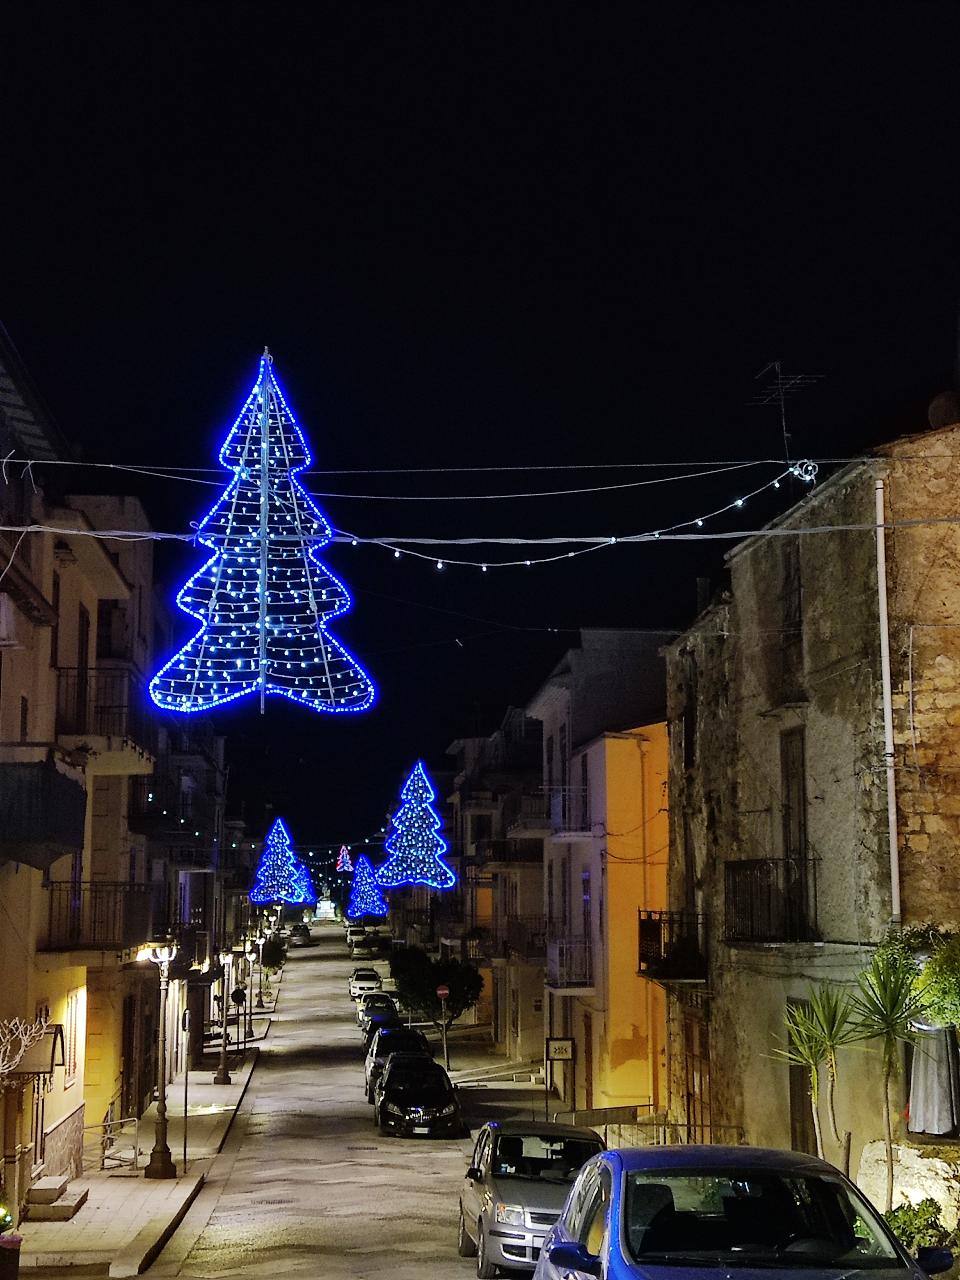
522 936
569 809
109 703
671 946
569 963
105 916
770 900
526 811
519 850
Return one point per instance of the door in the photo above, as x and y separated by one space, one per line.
83 671
696 1066
803 1136
588 1060
471 1196
129 1085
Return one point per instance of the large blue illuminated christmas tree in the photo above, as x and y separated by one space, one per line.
263 599
414 844
280 877
365 896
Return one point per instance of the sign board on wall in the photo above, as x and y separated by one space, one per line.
560 1049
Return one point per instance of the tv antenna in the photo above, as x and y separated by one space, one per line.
777 388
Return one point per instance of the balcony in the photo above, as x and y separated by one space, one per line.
43 810
188 857
526 814
522 938
569 812
672 946
508 851
769 900
105 916
106 711
158 804
570 966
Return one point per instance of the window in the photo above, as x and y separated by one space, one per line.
551 905
550 763
587 907
55 629
793 793
71 1032
24 718
791 621
689 721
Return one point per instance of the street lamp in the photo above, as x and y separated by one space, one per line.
223 1073
161 1162
251 954
261 939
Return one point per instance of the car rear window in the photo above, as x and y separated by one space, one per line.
403 1042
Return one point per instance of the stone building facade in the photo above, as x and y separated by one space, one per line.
783 858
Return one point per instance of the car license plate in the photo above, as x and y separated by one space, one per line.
421 1128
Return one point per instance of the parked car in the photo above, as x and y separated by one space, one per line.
391 1040
363 981
375 1005
515 1188
354 933
414 1098
707 1212
300 936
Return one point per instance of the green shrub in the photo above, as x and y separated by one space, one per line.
917 1225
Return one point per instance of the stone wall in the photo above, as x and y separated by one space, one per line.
63 1146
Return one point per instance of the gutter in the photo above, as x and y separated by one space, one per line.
888 755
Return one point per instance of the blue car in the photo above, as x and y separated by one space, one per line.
723 1213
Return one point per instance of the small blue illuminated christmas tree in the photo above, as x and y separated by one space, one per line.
414 844
280 877
365 896
263 598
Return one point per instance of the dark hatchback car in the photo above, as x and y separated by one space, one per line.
391 1040
416 1099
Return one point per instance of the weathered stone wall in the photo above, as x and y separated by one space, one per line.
63 1146
923 484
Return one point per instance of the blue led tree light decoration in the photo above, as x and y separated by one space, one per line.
365 896
263 598
414 844
279 876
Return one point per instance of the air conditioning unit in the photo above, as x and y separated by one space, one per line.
9 619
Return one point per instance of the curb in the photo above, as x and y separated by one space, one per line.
135 1257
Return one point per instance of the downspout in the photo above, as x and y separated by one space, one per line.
895 915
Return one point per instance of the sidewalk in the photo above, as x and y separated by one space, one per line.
126 1219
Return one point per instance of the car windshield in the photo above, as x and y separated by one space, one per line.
400 1044
752 1218
546 1156
366 975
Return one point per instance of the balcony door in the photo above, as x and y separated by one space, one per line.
83 668
793 792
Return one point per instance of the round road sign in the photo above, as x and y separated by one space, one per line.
443 993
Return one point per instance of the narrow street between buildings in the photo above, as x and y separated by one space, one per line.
305 1185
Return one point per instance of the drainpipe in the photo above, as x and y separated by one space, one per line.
895 917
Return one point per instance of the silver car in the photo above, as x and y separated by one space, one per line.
515 1188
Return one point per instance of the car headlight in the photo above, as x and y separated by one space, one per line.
393 1109
449 1109
510 1213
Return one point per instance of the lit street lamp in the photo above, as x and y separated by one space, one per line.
161 1162
223 1073
261 939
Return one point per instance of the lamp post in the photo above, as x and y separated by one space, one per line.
251 954
161 1162
261 939
223 1073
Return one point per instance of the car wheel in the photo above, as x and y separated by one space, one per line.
486 1269
465 1246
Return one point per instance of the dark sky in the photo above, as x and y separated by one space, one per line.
476 234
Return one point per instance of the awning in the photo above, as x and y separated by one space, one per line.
42 811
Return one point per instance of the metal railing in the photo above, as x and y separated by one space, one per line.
104 703
770 900
509 851
671 946
105 915
641 1126
569 809
526 811
569 963
116 1146
523 936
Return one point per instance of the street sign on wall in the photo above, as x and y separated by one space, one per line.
560 1049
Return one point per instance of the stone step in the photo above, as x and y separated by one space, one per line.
62 1210
46 1190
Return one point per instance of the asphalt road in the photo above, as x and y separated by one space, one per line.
305 1185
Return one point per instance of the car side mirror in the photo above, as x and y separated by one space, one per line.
574 1257
474 1174
933 1261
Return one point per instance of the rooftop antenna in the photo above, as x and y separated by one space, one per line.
776 390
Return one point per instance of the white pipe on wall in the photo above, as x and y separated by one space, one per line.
888 755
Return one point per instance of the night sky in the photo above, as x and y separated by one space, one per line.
476 235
